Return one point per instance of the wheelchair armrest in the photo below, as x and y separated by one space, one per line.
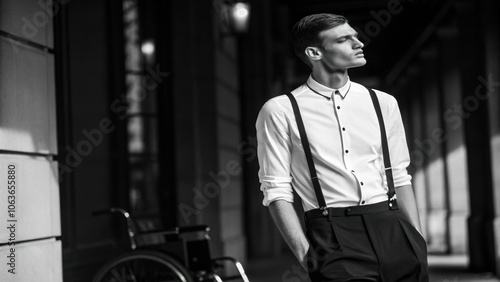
164 232
177 230
194 228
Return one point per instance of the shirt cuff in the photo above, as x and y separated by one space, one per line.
402 179
273 194
276 191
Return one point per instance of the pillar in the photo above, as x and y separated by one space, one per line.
206 98
491 27
30 245
454 147
256 88
477 132
411 94
431 146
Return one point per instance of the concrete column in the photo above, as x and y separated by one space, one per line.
228 125
431 146
415 131
257 48
489 87
454 147
197 155
474 109
206 87
30 242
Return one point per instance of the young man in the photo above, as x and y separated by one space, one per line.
356 230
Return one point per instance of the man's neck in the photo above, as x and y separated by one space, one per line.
333 80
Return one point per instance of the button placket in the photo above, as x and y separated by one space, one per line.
361 185
346 141
337 100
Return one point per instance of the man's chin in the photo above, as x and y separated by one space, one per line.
359 63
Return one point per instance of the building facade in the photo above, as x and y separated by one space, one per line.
151 105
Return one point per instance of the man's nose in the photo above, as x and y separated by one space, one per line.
358 44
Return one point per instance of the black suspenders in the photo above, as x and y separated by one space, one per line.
307 151
312 169
393 204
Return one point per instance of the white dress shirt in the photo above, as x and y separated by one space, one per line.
344 135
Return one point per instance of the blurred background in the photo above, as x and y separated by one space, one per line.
150 105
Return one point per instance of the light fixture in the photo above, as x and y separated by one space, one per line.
148 47
234 15
148 51
239 15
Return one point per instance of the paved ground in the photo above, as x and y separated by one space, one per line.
285 269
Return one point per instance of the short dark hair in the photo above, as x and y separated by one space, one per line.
305 32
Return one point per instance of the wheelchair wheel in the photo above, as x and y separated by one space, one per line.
143 266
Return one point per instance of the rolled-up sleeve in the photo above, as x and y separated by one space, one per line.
273 150
398 148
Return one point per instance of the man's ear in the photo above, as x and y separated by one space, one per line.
313 53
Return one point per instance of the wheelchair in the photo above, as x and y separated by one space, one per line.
180 254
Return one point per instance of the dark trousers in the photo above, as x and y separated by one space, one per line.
365 243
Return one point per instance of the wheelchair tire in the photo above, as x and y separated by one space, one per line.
143 266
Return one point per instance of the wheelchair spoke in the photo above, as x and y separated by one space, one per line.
143 267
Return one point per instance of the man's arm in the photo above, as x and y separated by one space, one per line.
274 152
400 160
288 223
408 205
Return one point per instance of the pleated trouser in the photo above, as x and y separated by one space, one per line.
377 245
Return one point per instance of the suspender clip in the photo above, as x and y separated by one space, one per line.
393 203
325 211
387 168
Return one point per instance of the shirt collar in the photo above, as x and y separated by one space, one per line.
325 91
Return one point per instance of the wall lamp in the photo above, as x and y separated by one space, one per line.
234 15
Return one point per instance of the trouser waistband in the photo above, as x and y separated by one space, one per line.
348 211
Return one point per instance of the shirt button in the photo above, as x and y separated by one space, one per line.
363 202
338 107
362 183
343 128
352 170
346 151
